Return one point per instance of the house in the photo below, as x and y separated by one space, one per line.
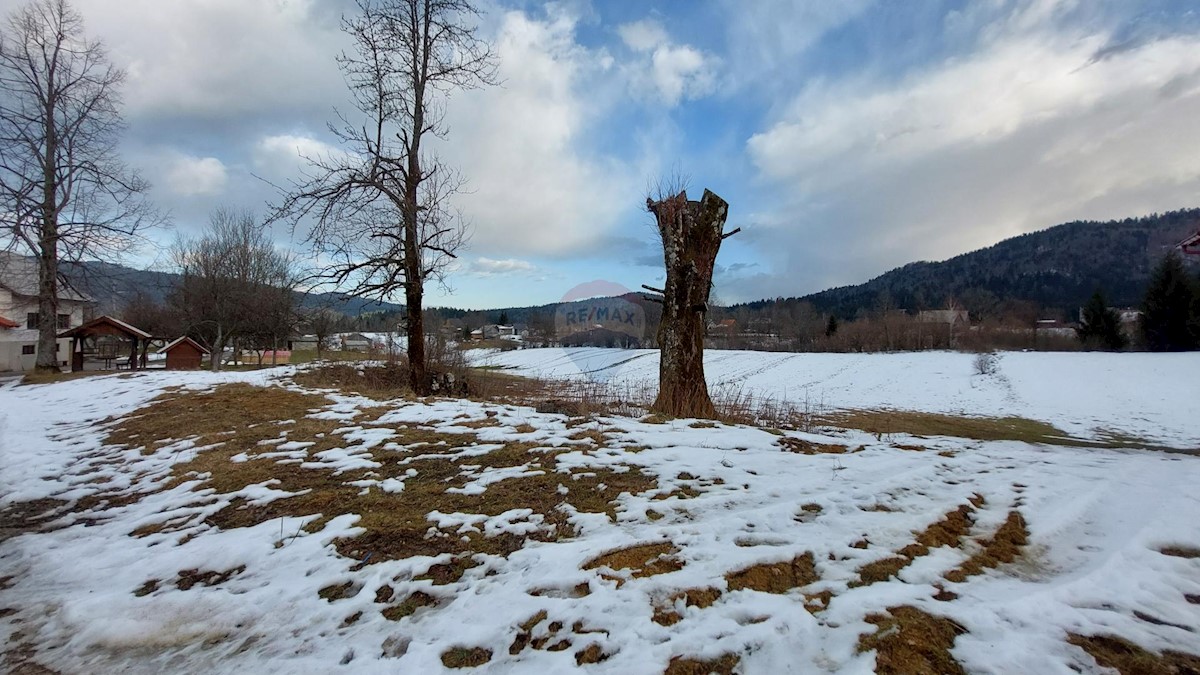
949 317
1191 245
355 342
493 331
184 354
19 314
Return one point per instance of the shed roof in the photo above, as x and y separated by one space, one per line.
8 323
181 340
79 331
1191 244
19 274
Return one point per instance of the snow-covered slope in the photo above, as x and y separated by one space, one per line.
1151 396
1109 531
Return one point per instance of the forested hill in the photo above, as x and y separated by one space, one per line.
1057 268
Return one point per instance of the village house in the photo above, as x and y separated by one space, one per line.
493 331
19 314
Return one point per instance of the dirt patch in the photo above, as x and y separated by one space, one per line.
1004 547
644 560
803 447
1180 551
948 531
1130 659
409 606
779 577
234 421
189 578
881 422
382 383
666 615
912 642
722 665
463 657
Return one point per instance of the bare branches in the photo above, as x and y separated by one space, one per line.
378 213
63 189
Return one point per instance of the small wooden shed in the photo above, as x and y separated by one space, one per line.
184 354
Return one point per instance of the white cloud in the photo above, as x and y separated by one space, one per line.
643 36
284 155
487 267
218 58
1026 132
196 176
663 70
535 184
682 72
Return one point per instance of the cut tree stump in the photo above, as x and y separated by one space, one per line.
691 234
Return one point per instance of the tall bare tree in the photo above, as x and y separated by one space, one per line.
379 209
64 193
234 284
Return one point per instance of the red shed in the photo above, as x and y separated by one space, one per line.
184 354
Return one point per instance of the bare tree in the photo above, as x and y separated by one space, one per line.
322 321
232 283
691 234
64 193
379 208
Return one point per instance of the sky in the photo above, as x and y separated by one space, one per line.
849 137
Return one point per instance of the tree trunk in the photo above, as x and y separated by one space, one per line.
47 355
691 236
418 372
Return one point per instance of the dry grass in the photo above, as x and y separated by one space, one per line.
722 665
643 560
464 657
236 417
803 447
1129 659
882 422
912 642
779 577
384 383
666 615
1181 551
409 606
948 531
1004 547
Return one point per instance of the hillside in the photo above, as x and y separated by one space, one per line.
114 286
1057 268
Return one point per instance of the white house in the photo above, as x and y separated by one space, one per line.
19 314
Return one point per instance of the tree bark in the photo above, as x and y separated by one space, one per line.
691 234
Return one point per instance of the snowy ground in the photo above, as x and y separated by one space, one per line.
98 587
1150 396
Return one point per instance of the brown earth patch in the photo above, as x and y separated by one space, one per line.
464 657
948 531
1004 547
722 665
1129 659
643 560
409 606
236 417
666 615
1180 551
912 642
779 577
803 447
189 578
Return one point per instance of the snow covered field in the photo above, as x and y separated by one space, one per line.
1150 396
731 546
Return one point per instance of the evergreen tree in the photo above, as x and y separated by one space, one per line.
1168 320
1100 326
503 319
831 327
